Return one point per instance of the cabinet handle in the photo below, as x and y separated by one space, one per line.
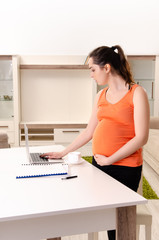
69 131
3 126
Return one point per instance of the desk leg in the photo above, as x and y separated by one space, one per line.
126 223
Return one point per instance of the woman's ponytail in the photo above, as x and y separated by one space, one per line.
116 58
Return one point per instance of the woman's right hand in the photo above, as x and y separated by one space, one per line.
52 155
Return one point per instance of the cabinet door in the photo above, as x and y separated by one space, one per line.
143 71
6 88
148 86
66 135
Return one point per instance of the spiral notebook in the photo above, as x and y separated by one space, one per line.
41 170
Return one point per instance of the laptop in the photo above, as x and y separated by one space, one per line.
34 158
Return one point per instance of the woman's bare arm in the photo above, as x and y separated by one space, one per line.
84 137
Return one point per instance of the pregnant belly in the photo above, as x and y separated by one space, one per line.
107 139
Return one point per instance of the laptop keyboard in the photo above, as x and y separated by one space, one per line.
37 159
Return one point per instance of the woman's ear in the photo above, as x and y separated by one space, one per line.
107 67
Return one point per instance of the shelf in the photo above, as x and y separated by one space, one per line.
35 134
144 79
39 134
71 67
141 57
2 100
6 57
36 125
6 119
38 138
6 80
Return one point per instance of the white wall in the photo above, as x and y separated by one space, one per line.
55 27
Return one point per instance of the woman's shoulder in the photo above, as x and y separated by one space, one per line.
139 93
138 89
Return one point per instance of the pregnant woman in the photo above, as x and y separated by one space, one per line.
119 123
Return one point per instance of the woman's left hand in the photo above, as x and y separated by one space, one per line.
101 159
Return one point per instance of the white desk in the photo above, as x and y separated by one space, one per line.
46 207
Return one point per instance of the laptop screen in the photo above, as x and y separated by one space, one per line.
27 143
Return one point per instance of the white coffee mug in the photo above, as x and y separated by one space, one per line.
74 157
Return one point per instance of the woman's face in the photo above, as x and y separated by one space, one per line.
98 73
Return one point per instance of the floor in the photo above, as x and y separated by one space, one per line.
151 177
153 205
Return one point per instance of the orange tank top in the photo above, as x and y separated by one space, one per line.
115 128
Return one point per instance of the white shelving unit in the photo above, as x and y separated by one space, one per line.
54 95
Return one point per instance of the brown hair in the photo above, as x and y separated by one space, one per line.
117 60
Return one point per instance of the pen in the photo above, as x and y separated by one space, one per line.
69 177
